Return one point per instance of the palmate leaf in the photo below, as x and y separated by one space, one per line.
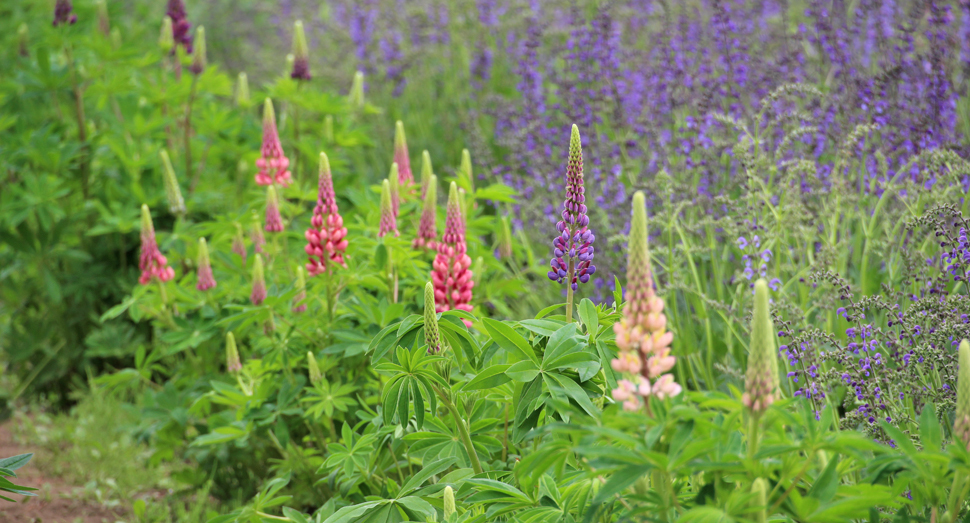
413 382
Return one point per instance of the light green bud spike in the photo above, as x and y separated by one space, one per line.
450 512
166 40
356 96
199 61
314 369
761 381
300 49
176 204
465 169
232 354
961 427
242 90
760 490
432 336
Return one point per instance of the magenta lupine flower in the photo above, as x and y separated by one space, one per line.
574 245
206 279
273 164
259 282
64 13
451 274
180 24
401 156
327 236
274 222
151 262
388 218
301 54
428 228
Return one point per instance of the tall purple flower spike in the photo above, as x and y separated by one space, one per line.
573 254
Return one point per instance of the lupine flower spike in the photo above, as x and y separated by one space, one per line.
426 172
504 249
328 129
388 217
180 24
465 170
259 282
641 335
428 228
165 40
327 236
573 247
450 511
299 301
961 427
274 222
256 236
233 364
401 156
238 245
394 181
356 96
64 13
151 262
314 370
432 336
206 279
104 21
760 490
23 40
242 90
198 53
451 272
176 204
761 380
273 164
301 54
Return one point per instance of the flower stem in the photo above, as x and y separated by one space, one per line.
569 291
82 132
466 439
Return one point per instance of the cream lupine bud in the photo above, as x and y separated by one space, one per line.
259 282
242 90
23 40
388 223
314 369
432 336
428 227
394 180
165 39
356 96
206 279
761 381
301 54
504 239
401 156
274 221
176 204
760 490
198 52
961 427
232 354
299 300
449 499
426 172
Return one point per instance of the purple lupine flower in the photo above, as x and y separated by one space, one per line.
573 247
64 13
180 24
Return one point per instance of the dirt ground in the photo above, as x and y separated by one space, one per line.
57 501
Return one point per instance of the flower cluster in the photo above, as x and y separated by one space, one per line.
273 164
327 236
573 247
180 24
301 54
64 13
151 262
428 227
206 279
451 274
402 157
274 221
388 223
642 336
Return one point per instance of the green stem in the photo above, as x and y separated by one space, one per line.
82 131
753 425
466 439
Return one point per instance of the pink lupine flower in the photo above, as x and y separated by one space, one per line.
238 245
642 335
259 282
274 222
388 217
327 236
450 272
257 237
273 164
151 262
428 228
401 156
206 279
